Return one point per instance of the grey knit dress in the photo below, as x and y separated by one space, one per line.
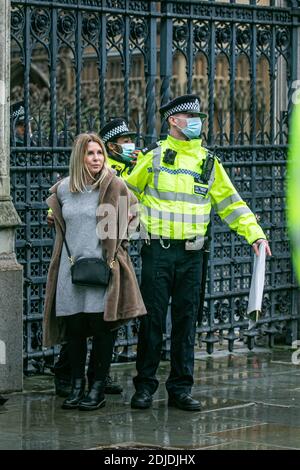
79 213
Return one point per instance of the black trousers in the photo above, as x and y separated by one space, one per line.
79 327
62 367
176 273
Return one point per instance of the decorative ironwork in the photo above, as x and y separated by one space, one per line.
77 63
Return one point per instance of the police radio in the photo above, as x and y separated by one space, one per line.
169 156
207 167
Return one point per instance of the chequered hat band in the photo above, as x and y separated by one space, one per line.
190 106
115 131
18 112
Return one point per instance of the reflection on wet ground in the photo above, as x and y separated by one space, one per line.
251 400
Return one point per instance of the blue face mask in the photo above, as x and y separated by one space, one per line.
193 128
127 150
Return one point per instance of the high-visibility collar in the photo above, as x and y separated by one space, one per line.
193 145
116 160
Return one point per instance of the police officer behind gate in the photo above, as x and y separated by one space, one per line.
120 146
17 120
177 181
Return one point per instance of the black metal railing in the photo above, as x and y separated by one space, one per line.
77 63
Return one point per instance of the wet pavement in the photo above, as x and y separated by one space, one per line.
250 400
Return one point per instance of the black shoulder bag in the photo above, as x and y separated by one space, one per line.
88 271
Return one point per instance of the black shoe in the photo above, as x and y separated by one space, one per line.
110 387
77 393
63 386
95 398
184 401
141 400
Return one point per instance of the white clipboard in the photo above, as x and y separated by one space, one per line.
257 286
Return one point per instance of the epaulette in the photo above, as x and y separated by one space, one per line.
150 147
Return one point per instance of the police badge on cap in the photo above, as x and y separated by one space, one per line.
182 104
114 129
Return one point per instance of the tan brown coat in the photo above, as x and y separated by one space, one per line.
123 300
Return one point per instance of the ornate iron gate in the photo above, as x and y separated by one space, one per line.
77 63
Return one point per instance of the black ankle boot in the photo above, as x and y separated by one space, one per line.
110 387
95 398
77 393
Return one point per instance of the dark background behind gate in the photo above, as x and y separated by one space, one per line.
78 63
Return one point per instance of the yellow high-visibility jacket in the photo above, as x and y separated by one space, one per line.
121 168
174 202
293 188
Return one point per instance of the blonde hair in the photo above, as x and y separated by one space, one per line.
78 170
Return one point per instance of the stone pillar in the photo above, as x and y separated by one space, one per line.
11 280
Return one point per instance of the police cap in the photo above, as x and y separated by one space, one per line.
17 112
114 129
182 104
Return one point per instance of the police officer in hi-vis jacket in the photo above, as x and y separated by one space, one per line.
177 182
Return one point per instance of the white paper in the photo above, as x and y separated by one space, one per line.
257 283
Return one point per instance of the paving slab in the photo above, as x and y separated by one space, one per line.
250 400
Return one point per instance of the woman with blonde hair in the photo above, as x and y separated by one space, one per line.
73 311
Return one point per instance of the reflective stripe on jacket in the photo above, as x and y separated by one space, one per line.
176 205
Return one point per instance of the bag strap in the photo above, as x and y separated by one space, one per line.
72 260
70 257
